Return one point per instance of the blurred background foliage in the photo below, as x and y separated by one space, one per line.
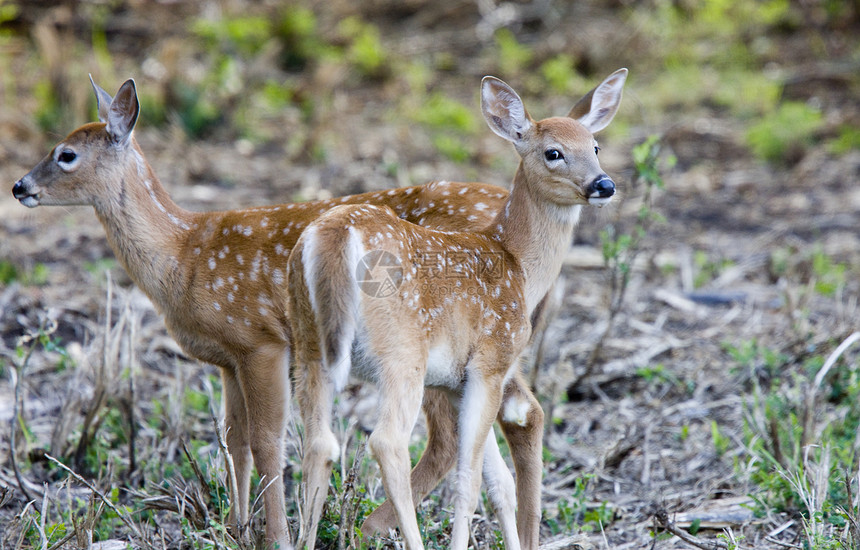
281 74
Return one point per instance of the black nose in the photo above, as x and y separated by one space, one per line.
18 190
602 187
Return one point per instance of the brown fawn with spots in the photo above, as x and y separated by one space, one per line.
219 279
465 340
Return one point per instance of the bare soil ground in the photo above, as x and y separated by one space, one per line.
640 423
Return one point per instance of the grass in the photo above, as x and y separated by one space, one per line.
799 440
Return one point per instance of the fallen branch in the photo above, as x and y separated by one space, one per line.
575 542
662 520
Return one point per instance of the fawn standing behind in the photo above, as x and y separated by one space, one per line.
465 341
219 279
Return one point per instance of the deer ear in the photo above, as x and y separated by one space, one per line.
597 108
103 100
122 114
504 110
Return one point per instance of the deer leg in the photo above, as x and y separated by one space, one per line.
315 393
265 385
399 405
438 459
478 408
501 491
521 419
239 446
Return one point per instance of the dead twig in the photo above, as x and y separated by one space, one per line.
243 536
119 513
60 543
349 503
661 517
782 543
131 398
575 542
808 413
100 392
45 328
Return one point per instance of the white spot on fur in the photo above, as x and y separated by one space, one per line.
516 411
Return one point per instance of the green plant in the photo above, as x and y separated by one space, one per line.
511 56
707 269
445 113
51 112
560 73
760 92
688 31
792 127
451 124
297 31
8 272
365 51
99 40
756 358
848 140
800 434
713 53
828 275
659 375
731 541
243 35
99 269
198 113
8 13
620 249
575 514
684 434
721 442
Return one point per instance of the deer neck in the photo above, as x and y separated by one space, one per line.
147 231
537 233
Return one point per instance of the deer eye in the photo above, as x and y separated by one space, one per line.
67 156
596 149
553 154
